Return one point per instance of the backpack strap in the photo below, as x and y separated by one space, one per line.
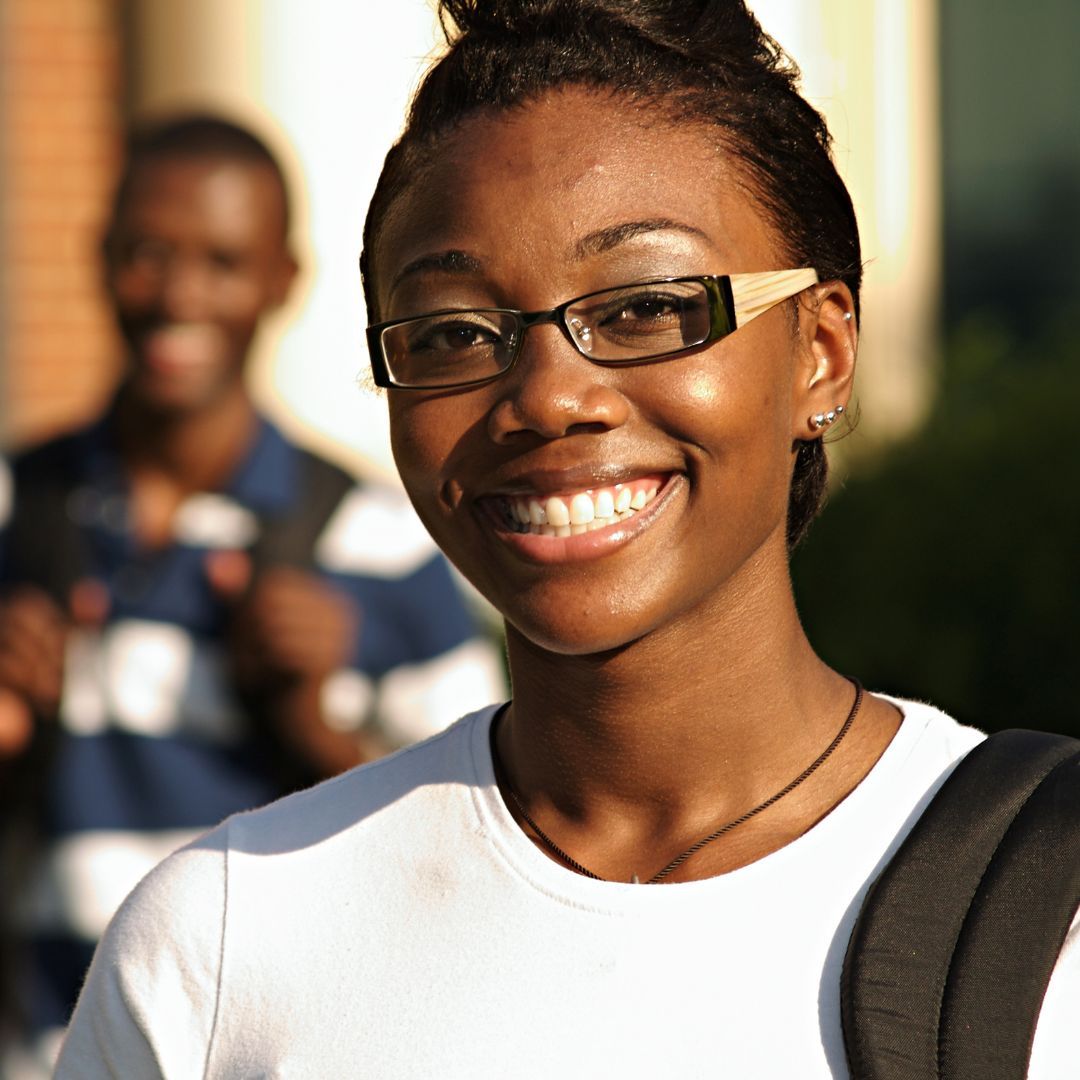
44 546
1013 934
289 539
979 896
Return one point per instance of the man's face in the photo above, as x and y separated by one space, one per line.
195 256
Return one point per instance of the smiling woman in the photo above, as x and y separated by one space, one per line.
612 277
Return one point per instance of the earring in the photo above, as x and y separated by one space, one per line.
847 316
824 419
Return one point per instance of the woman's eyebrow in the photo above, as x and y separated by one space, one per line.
596 243
451 262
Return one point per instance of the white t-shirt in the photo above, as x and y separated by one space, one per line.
395 922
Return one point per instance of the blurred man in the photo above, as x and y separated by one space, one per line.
197 616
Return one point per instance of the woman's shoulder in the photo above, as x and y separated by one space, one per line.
161 956
369 800
929 734
231 890
375 796
927 746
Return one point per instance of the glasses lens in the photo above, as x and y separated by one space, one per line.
450 348
640 321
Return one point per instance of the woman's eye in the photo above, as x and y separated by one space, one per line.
643 308
453 336
651 307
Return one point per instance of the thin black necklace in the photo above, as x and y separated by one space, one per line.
694 848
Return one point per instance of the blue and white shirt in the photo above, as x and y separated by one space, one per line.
155 746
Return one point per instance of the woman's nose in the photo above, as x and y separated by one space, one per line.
553 391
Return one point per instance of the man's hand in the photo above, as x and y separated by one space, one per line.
33 637
290 629
291 626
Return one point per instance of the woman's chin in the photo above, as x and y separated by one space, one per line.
585 634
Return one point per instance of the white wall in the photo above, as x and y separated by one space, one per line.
338 74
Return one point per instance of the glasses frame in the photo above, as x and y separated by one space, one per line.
734 300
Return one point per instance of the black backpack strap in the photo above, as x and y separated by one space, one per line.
897 971
289 539
1013 934
44 546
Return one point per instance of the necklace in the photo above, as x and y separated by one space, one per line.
694 848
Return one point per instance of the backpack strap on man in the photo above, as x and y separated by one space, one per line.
954 946
43 543
45 546
289 539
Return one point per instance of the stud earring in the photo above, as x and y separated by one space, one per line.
847 316
824 419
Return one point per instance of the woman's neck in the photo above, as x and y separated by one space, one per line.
631 755
659 718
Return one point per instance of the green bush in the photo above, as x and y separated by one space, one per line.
948 568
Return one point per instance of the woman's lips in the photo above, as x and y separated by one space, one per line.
573 513
578 524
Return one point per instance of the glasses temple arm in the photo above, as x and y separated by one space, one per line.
754 294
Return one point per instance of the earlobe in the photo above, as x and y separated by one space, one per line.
831 342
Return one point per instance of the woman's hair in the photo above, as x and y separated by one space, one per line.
709 58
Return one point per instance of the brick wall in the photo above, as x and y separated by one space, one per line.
61 114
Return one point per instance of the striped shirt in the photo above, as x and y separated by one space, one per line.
155 745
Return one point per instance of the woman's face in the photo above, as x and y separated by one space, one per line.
530 207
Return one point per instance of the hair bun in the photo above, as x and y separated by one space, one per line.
496 16
700 30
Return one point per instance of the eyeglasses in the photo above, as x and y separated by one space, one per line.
632 324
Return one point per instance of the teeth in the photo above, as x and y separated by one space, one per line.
558 514
583 512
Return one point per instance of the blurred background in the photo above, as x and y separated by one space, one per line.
946 564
